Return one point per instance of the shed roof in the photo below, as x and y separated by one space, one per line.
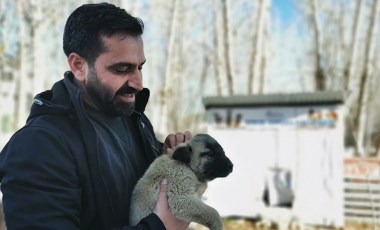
262 100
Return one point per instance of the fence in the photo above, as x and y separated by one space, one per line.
362 190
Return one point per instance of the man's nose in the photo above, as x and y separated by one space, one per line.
135 80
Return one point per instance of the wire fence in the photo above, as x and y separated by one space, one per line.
362 190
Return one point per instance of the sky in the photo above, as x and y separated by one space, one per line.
285 9
285 73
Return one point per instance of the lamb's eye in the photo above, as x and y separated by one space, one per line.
208 154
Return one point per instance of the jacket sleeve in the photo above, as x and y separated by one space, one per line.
39 182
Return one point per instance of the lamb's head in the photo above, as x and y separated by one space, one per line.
205 157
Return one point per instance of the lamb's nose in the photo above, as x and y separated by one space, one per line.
229 166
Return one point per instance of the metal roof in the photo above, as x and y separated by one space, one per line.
260 100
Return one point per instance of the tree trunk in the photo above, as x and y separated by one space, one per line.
193 123
26 72
264 53
319 75
173 67
165 92
350 55
217 61
359 119
227 54
255 47
39 48
2 62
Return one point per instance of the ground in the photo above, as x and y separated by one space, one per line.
240 224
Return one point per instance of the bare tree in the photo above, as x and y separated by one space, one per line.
2 59
223 45
36 19
2 42
323 19
41 14
359 117
263 64
349 56
173 66
216 42
319 74
257 58
338 54
26 57
226 42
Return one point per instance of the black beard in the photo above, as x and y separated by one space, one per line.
104 99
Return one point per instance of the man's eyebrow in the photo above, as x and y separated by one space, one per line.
120 64
123 64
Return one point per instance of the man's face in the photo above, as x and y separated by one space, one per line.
115 77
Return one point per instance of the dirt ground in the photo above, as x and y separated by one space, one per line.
240 224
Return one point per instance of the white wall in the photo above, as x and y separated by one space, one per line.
310 147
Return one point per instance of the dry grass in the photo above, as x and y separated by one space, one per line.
362 226
241 224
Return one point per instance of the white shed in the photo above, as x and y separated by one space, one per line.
287 151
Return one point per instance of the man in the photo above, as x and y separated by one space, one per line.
86 141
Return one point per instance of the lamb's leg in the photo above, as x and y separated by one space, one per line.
192 209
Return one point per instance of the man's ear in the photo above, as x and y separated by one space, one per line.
183 154
78 66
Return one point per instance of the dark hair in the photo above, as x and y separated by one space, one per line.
89 22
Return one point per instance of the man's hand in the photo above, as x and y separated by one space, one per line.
172 140
163 212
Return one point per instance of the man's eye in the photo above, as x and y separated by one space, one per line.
121 70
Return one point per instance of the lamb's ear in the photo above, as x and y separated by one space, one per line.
182 153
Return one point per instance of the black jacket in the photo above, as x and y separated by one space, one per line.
55 173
